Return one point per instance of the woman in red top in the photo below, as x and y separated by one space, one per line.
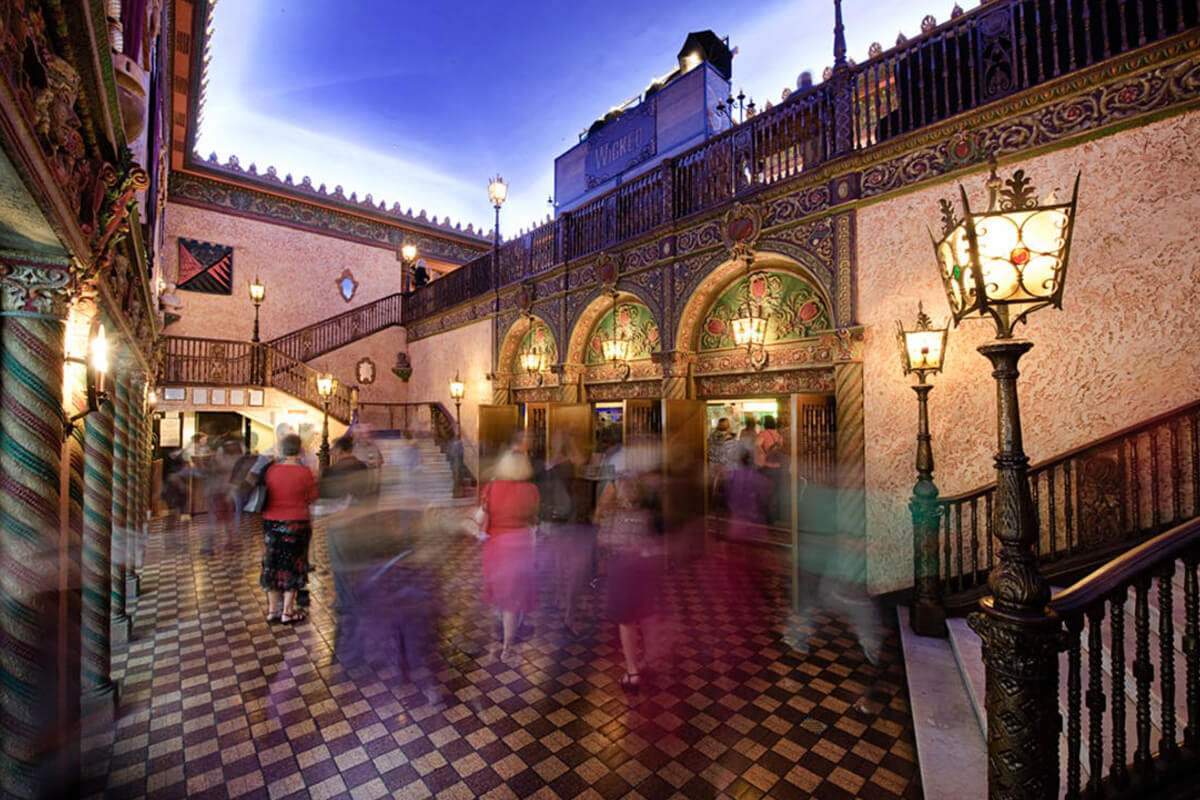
511 501
286 531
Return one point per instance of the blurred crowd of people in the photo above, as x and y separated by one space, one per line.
601 527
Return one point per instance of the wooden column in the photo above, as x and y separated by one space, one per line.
851 451
118 554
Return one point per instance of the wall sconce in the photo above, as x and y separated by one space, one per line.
96 364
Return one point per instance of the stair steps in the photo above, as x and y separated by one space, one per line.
947 687
422 477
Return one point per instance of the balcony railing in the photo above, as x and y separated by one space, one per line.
220 362
329 334
974 59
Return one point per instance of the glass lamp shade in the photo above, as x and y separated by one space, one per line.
409 252
750 329
151 398
497 191
922 350
531 361
1005 263
325 385
615 349
457 388
258 292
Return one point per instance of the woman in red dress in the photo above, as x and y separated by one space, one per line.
286 531
511 501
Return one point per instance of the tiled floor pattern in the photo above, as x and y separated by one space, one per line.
217 703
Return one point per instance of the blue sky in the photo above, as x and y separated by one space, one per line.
422 102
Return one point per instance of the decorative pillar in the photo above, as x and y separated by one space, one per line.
929 615
99 692
118 558
134 491
147 419
677 374
851 515
570 382
33 311
1020 634
501 388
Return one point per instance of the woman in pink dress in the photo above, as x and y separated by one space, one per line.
511 501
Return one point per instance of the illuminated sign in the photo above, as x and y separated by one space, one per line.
621 144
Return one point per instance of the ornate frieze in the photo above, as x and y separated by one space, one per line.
624 390
35 288
244 201
766 383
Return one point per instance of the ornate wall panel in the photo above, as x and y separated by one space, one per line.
795 381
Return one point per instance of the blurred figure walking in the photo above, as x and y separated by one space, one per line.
571 540
511 502
629 515
287 530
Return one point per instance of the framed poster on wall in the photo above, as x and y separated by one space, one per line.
170 432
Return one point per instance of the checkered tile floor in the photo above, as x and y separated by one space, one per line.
217 703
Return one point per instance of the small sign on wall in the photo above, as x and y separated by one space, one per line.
170 432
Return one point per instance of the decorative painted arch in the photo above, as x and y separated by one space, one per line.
603 294
724 278
524 328
598 310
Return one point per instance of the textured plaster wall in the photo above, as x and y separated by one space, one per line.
381 348
1112 357
299 269
435 360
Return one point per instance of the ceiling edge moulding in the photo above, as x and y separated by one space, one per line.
219 193
270 180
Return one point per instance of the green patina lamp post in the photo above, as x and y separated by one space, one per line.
1003 264
923 352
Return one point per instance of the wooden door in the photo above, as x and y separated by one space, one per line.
575 420
497 425
642 418
535 430
683 441
811 470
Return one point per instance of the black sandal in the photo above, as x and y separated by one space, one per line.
631 682
291 619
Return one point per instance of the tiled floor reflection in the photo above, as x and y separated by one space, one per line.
216 703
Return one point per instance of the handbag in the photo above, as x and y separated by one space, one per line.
256 500
476 524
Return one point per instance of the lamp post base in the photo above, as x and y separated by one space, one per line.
928 620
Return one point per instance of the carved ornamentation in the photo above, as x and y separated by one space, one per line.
364 371
34 287
1100 487
702 236
624 390
740 228
765 383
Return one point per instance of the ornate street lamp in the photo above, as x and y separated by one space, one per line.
96 372
616 347
922 350
457 392
1003 264
258 293
326 384
408 258
497 193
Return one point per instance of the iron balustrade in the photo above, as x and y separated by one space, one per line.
338 331
1158 568
971 60
1092 502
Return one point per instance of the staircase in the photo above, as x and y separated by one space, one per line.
947 680
415 472
335 332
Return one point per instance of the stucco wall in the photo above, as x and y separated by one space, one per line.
1122 349
435 360
381 348
299 269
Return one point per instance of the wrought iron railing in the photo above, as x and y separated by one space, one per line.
220 362
1092 502
1163 565
329 334
972 60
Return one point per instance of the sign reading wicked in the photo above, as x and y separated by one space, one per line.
626 141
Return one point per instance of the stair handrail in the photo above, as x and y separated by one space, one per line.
303 384
388 309
1096 602
1122 433
1087 503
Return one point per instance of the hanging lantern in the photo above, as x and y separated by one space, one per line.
616 347
750 325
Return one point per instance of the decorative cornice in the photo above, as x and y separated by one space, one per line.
232 198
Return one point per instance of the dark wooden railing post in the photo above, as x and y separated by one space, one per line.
1021 636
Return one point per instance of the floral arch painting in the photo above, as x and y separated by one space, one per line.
793 307
634 322
539 339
